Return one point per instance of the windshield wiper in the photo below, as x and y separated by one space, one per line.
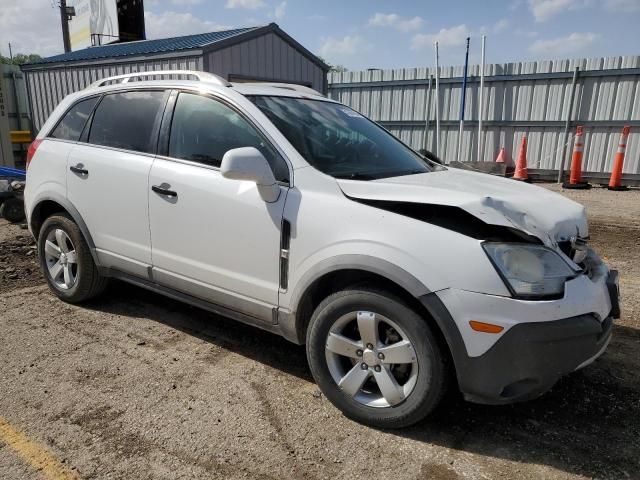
356 176
412 172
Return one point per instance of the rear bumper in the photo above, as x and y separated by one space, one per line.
529 357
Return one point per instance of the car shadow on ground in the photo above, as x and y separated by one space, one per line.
589 424
248 341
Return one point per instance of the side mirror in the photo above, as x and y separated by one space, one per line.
248 164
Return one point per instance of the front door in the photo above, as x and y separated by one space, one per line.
214 238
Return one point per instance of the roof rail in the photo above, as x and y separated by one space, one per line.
201 76
286 86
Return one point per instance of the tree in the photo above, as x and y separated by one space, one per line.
20 59
338 68
335 68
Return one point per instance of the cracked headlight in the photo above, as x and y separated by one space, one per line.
529 270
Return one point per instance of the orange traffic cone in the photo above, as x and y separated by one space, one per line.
502 157
521 172
615 183
575 178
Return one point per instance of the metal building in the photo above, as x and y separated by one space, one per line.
263 53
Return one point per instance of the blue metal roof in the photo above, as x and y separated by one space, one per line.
145 47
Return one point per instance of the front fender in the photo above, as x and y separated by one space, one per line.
366 263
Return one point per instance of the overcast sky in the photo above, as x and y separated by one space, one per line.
375 33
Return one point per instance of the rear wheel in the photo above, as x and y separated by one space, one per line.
66 261
375 358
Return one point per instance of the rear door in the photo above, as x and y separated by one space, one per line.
212 237
108 173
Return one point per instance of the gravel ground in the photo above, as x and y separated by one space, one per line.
135 385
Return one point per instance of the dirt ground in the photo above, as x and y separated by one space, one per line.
135 385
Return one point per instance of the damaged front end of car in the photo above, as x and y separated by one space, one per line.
562 298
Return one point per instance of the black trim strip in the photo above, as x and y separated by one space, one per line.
165 124
285 242
196 302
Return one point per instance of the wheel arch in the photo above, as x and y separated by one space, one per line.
52 204
343 271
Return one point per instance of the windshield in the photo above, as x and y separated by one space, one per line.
339 141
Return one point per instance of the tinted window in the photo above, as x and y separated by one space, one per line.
339 141
71 125
126 120
203 130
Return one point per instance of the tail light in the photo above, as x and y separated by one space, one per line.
33 146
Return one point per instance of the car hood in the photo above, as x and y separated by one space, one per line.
534 210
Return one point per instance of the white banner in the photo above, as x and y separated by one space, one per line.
95 23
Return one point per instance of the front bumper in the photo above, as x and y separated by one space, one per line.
529 357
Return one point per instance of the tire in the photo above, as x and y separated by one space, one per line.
12 209
84 281
420 376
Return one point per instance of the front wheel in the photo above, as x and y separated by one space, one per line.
375 358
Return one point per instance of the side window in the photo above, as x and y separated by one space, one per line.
71 125
126 120
203 130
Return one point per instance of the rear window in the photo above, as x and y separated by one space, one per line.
126 120
71 125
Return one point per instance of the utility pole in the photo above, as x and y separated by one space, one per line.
462 102
481 104
64 19
438 153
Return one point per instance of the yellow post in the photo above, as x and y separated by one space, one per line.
20 136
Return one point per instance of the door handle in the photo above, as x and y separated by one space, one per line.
79 169
164 190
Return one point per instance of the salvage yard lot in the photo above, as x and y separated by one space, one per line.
134 385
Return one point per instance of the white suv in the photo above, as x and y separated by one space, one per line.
275 206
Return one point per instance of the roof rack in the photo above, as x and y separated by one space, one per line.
201 76
286 86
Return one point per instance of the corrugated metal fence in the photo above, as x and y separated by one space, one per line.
528 98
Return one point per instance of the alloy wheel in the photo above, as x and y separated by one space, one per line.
61 259
371 359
